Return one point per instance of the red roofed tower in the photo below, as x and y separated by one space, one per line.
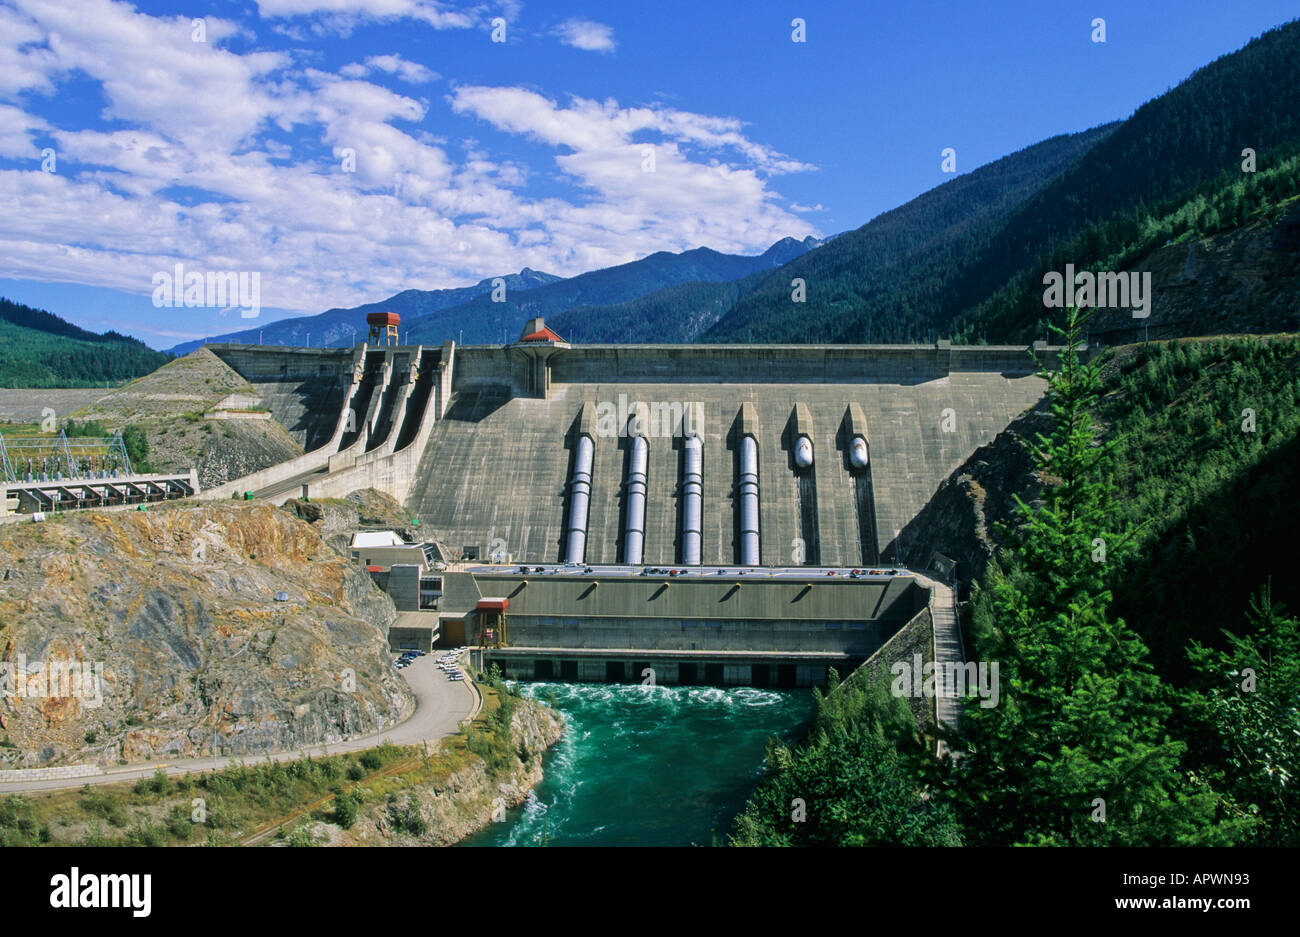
383 327
537 345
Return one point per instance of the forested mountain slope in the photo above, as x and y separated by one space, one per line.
38 349
1132 187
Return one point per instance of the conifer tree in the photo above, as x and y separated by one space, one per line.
1076 752
1244 711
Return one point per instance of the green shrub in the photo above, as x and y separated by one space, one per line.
407 817
19 825
345 810
155 784
179 823
106 805
301 836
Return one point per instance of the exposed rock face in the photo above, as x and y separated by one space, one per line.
336 520
375 508
179 605
960 521
1240 281
466 802
226 449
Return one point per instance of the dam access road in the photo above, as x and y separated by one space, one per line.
440 707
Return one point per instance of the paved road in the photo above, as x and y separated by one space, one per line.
440 706
690 572
311 475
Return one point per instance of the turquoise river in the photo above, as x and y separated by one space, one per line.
648 765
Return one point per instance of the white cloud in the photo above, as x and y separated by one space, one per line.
411 72
16 128
587 124
683 201
24 65
586 35
230 161
154 74
436 14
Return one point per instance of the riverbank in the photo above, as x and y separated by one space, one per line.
480 776
433 793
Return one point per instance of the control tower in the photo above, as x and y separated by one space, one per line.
383 327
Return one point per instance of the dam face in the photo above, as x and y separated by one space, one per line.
480 442
302 387
496 472
708 513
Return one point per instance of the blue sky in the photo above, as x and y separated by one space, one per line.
344 151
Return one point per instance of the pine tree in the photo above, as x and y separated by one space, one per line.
1076 751
1244 710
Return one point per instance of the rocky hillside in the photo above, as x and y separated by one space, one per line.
454 806
336 519
179 604
170 404
961 519
1239 281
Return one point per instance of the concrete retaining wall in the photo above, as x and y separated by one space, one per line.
260 360
496 467
778 364
854 638
49 774
303 387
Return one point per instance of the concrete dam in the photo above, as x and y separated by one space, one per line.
717 460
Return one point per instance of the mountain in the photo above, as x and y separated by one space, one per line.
884 262
679 313
38 349
337 327
1150 182
470 315
1100 200
965 260
483 321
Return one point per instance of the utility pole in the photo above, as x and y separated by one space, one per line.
259 336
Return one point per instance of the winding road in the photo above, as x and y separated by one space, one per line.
440 707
